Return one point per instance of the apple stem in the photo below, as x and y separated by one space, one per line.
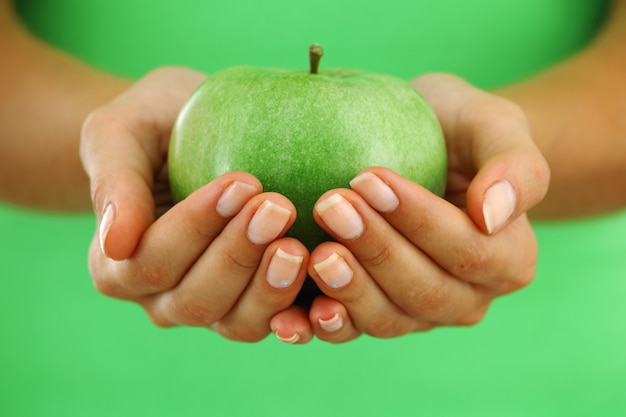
315 55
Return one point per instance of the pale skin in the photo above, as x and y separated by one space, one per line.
406 264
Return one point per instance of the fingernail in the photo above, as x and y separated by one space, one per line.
267 223
234 198
291 339
283 269
498 205
105 226
334 271
340 216
332 324
378 194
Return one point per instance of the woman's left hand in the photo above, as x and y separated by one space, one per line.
405 260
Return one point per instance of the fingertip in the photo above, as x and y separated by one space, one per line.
234 197
330 266
512 174
376 191
119 236
504 190
292 326
270 220
338 215
240 176
498 205
331 321
123 222
385 173
287 264
327 314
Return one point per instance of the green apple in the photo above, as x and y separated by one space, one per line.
304 132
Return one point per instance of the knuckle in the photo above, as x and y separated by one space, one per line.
152 308
98 119
153 277
429 303
106 287
472 318
378 257
240 264
195 227
238 333
145 277
419 226
472 262
335 338
123 279
191 312
507 111
518 281
101 275
158 320
511 110
481 114
388 327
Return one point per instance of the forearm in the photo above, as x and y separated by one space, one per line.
46 95
577 114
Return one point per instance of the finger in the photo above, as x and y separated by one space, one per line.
340 276
171 245
509 173
216 280
123 146
273 289
445 234
406 274
331 321
121 176
292 326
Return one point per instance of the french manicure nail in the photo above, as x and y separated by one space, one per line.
332 324
105 226
291 339
498 205
267 223
334 271
234 198
340 216
378 194
283 269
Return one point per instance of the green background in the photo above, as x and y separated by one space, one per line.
555 348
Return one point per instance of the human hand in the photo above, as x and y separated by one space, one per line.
405 260
216 259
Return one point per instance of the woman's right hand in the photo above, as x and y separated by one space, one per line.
216 259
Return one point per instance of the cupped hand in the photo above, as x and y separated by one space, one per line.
405 260
217 259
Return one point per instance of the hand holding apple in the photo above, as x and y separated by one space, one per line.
191 264
430 261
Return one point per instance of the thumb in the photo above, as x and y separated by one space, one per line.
492 149
512 177
123 146
121 186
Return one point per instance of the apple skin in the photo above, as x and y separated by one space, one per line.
303 134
